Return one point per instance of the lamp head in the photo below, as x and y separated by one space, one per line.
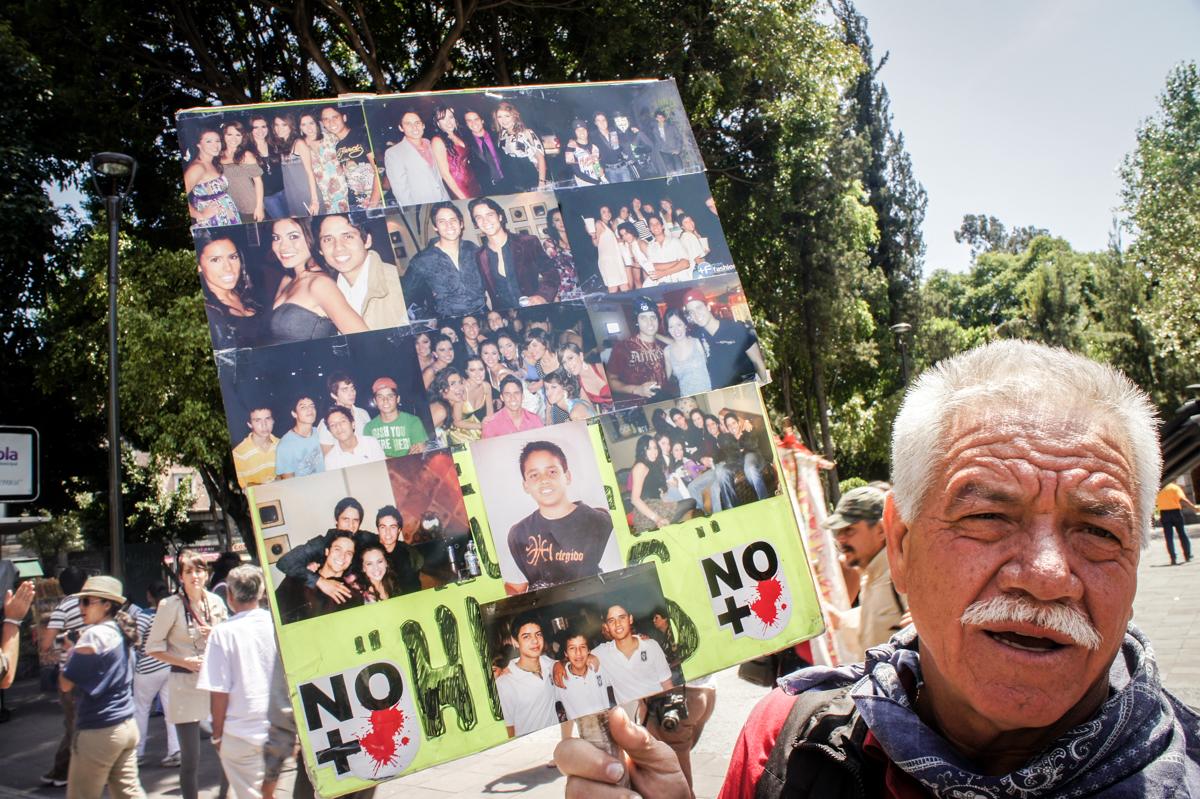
112 173
901 328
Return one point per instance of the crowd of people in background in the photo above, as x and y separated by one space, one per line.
206 658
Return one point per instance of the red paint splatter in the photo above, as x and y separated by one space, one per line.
764 608
404 741
379 741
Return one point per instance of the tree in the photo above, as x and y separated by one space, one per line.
763 83
1161 196
988 234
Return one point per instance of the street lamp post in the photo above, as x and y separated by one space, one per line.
902 329
112 175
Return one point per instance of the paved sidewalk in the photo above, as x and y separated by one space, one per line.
1167 609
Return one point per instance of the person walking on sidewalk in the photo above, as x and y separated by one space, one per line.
237 674
1170 502
61 631
179 637
99 672
150 677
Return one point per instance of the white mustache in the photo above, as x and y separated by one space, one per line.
1051 615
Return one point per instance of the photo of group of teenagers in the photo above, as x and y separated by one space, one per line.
535 280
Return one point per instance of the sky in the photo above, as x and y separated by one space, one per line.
1024 109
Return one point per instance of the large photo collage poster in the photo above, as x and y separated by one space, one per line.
492 385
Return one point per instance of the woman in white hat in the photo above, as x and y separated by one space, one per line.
99 671
179 637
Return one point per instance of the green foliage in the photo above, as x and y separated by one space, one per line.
1161 197
152 513
58 536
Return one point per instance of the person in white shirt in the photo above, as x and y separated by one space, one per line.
410 167
237 669
343 392
525 687
667 255
585 690
349 449
636 667
370 285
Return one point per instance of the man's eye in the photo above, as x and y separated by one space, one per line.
1100 532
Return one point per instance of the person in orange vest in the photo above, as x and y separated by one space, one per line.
1170 502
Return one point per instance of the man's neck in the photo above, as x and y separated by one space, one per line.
648 339
516 415
581 672
263 442
349 445
498 241
303 430
414 142
352 275
627 645
450 246
557 510
712 325
993 750
532 665
389 417
329 573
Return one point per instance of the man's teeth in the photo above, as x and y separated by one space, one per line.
1026 642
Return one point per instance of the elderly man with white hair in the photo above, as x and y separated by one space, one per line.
237 670
1024 480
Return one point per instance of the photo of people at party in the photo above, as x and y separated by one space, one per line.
546 506
694 456
675 340
466 256
287 160
297 279
358 536
577 648
465 145
310 407
502 372
649 233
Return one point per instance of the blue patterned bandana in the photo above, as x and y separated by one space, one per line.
1143 742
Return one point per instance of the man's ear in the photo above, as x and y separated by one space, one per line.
895 532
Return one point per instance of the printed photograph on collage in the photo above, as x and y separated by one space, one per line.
645 234
677 340
502 372
317 406
543 491
461 145
298 279
689 457
579 648
257 164
365 534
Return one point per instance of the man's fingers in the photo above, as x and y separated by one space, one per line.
576 757
632 738
579 788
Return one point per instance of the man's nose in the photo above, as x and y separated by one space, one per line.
1042 565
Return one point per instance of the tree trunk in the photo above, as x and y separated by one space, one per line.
818 373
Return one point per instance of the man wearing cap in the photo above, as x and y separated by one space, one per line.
637 369
398 432
734 356
857 528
